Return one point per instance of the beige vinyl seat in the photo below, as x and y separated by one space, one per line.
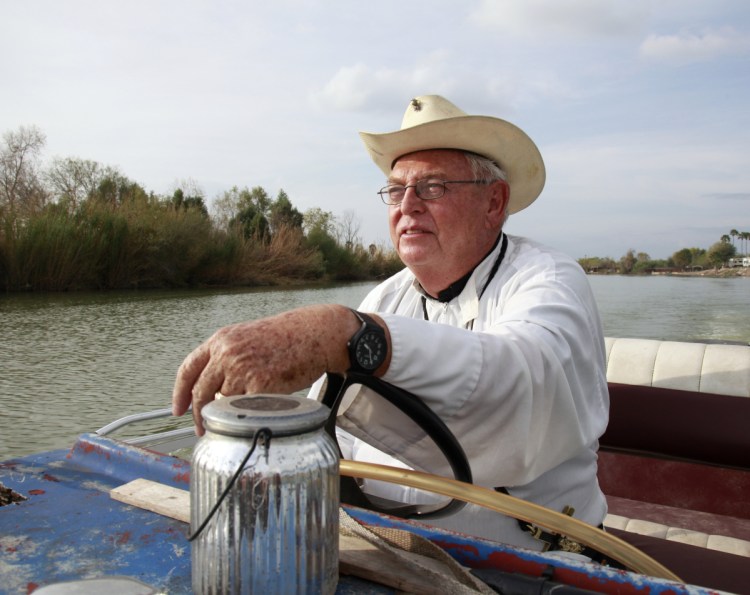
699 367
712 369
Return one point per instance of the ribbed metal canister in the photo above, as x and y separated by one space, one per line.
277 529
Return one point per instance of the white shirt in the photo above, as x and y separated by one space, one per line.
518 376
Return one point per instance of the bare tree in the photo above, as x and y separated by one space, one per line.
189 187
21 191
348 229
72 180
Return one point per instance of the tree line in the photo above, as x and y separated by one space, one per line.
76 224
685 259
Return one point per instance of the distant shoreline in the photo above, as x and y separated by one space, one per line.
722 273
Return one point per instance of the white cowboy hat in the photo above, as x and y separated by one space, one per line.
433 122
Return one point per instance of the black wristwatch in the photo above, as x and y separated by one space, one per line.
368 346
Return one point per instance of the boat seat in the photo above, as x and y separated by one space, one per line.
711 541
698 367
675 459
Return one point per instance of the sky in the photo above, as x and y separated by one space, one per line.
640 109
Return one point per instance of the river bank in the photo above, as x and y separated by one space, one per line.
722 273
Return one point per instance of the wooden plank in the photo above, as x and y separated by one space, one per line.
156 497
357 556
362 559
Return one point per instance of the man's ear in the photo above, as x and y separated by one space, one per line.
498 203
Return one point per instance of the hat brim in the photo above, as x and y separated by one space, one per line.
498 140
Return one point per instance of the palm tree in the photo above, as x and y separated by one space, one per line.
745 235
734 233
725 239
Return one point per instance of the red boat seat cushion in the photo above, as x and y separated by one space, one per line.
664 422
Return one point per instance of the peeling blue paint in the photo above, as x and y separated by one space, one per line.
70 529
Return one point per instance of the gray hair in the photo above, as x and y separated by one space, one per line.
486 169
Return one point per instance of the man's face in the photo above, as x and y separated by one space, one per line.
441 240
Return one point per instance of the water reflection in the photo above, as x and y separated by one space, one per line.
71 363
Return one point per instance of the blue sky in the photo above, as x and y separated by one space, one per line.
641 109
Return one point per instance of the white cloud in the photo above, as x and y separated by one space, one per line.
644 194
567 18
688 47
349 89
504 90
729 196
668 167
361 87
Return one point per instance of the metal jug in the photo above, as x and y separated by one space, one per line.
276 531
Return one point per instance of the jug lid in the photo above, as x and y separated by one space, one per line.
284 415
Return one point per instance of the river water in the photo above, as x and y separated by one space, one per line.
72 362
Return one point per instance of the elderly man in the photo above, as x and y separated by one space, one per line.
498 334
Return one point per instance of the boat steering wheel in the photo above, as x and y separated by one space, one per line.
416 410
460 489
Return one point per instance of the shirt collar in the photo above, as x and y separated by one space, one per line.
468 288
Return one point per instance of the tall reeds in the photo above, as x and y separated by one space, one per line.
148 243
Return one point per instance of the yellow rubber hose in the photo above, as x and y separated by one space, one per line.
552 521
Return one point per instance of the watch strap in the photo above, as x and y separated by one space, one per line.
368 322
365 319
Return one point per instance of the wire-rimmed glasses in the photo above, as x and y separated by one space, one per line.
428 189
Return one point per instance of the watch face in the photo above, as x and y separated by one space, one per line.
370 350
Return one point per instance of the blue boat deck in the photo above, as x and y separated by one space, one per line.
68 528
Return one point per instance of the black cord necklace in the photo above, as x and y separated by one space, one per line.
493 271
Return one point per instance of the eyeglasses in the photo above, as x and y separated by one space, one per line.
429 189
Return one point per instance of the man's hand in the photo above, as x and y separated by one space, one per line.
280 354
